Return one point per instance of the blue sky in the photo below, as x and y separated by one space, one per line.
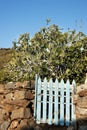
20 16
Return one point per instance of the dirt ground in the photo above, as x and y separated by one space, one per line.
52 127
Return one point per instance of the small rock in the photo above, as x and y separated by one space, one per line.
5 125
82 102
29 95
70 128
1 88
81 111
75 99
84 127
25 84
10 85
83 93
9 96
37 128
21 113
18 84
32 122
14 124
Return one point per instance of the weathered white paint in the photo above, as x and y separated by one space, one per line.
54 102
62 103
44 101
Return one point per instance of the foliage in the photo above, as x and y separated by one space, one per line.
49 53
5 57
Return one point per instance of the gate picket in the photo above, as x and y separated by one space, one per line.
44 100
62 103
39 101
56 103
73 117
67 103
50 102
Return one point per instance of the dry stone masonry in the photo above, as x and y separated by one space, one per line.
17 107
80 100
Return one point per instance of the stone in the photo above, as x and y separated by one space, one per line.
83 93
31 122
14 124
81 119
81 111
84 127
37 128
81 88
1 88
4 115
29 95
23 123
9 96
1 118
10 85
70 128
1 98
5 125
0 111
19 94
4 111
18 84
82 102
75 99
25 84
32 84
15 103
7 105
26 128
21 113
23 95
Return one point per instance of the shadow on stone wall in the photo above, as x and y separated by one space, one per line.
27 128
82 123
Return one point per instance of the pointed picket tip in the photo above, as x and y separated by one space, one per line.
68 82
50 80
50 83
39 79
62 81
74 86
67 85
56 81
36 76
56 84
45 82
73 82
45 79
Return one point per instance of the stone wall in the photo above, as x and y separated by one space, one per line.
80 100
16 106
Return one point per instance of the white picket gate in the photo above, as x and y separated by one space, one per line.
54 102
